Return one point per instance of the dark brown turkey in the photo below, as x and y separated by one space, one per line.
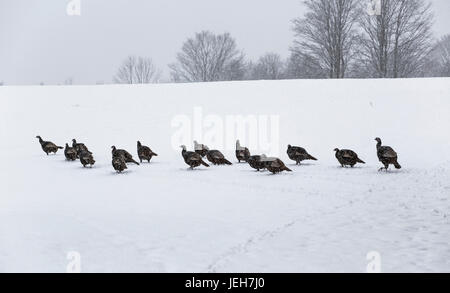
256 163
387 156
48 146
119 164
201 149
217 158
123 153
274 165
144 152
193 159
70 153
242 153
79 147
86 158
347 157
298 154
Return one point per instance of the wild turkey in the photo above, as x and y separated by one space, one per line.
386 155
119 164
347 157
193 159
256 163
217 158
48 146
70 153
298 154
201 149
86 158
242 153
274 165
79 147
123 153
144 152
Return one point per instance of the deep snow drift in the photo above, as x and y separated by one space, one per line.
161 217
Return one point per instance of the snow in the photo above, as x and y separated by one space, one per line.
162 217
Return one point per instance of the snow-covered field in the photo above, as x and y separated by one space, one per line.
161 217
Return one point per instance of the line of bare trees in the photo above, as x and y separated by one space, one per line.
340 38
333 39
397 42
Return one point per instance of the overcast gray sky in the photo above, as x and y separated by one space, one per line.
40 42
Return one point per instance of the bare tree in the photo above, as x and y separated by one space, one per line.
137 70
208 57
146 71
438 64
326 34
125 73
396 42
269 66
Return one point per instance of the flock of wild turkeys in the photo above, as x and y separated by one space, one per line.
120 158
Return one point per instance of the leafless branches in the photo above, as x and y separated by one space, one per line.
326 35
304 66
137 70
397 42
208 57
438 64
269 66
341 39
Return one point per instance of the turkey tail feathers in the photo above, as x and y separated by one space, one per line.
311 157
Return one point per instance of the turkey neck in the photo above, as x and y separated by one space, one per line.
183 153
378 145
